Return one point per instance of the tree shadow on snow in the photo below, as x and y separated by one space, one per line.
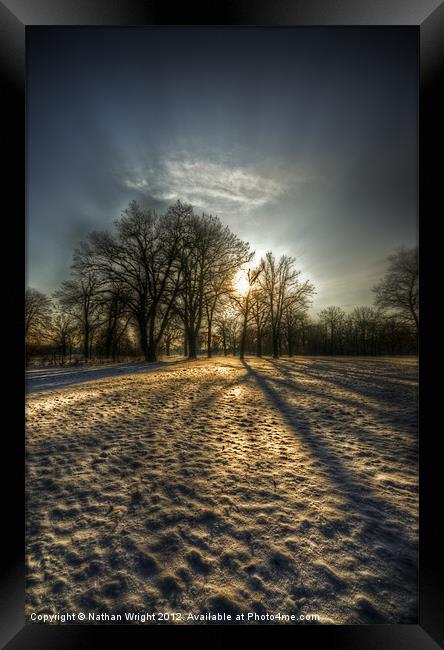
381 520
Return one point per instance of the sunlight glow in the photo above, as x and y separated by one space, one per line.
240 283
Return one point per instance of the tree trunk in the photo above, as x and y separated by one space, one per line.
152 342
259 346
192 344
275 343
147 351
209 353
290 346
151 355
244 334
86 349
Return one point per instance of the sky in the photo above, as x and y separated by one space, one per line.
302 140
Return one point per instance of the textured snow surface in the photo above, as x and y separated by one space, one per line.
51 378
217 485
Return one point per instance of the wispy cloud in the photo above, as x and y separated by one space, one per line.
212 186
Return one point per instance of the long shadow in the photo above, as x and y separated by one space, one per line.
355 489
210 394
364 384
210 397
53 381
347 364
385 415
300 425
92 432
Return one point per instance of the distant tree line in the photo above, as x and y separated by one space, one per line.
168 284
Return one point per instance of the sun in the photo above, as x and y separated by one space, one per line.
241 284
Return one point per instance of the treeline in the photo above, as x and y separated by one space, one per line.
176 284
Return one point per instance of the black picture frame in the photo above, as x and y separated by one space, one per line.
15 17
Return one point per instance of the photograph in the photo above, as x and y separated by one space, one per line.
221 325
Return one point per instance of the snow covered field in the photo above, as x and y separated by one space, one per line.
266 486
50 378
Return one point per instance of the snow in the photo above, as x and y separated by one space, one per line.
266 486
50 378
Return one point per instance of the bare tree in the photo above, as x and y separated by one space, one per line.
302 324
229 253
234 329
243 301
63 333
160 280
173 335
142 258
366 322
79 295
115 319
210 254
333 318
294 319
398 292
366 330
260 316
283 289
224 319
37 313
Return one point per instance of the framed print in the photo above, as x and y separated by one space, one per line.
225 412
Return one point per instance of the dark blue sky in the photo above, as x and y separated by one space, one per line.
302 140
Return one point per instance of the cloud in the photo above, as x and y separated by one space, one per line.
212 186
